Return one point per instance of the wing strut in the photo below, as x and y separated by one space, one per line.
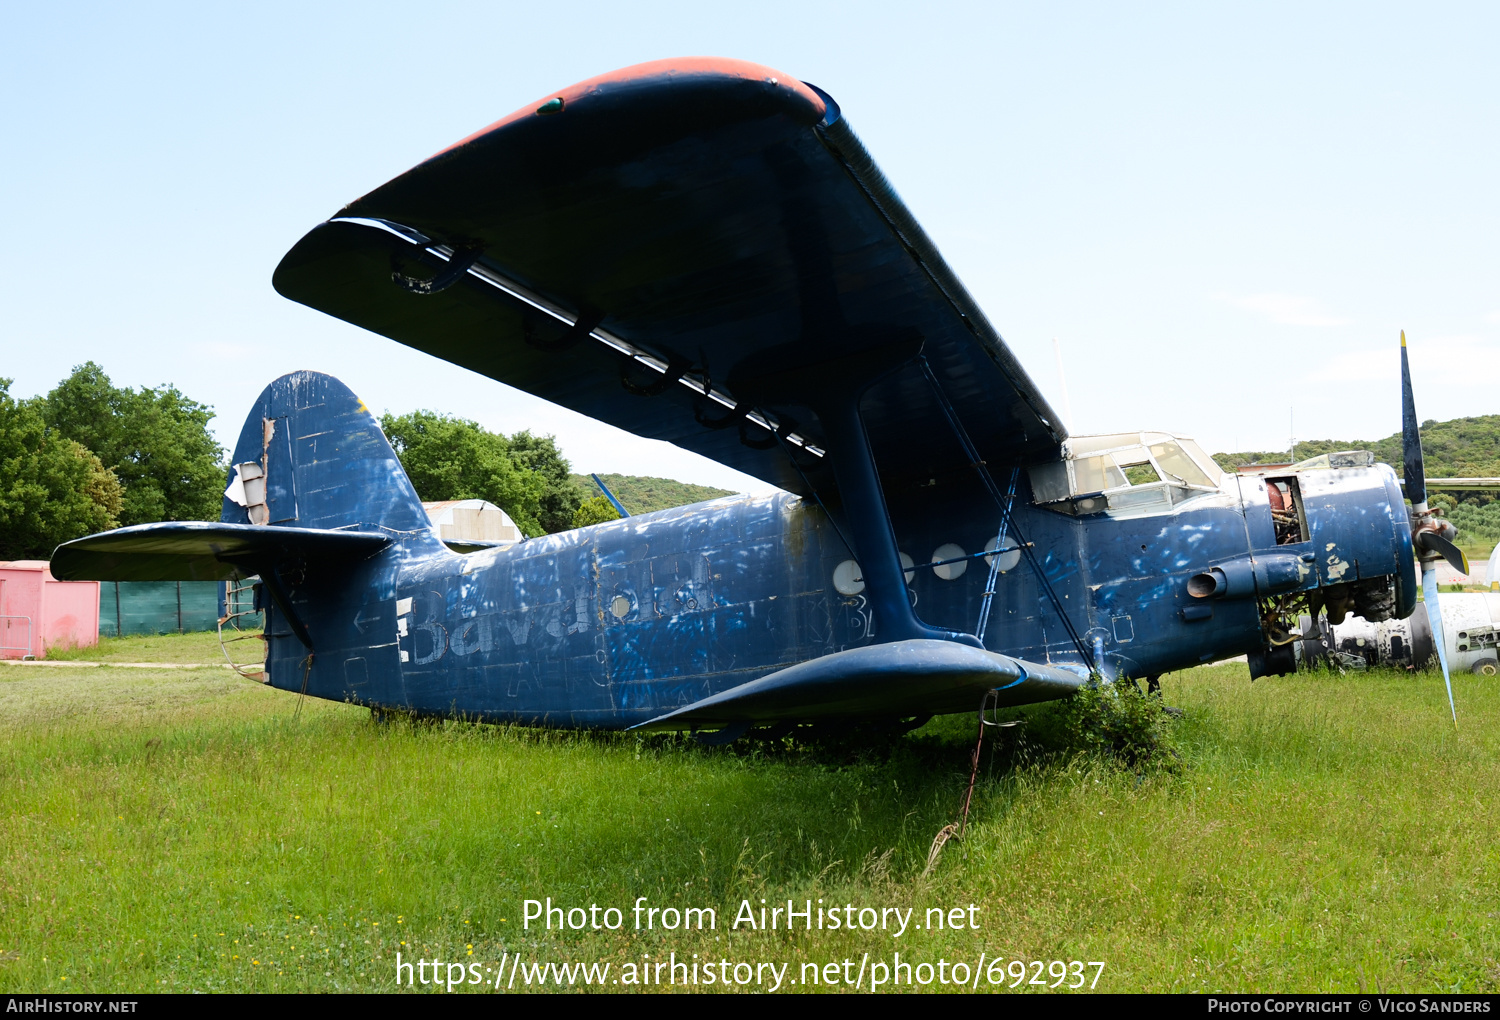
988 602
833 392
1005 509
283 602
864 507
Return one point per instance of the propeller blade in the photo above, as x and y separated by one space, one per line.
1411 438
1452 553
1435 618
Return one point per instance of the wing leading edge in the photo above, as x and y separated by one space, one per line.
651 247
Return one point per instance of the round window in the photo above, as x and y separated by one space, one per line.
847 579
949 571
1010 554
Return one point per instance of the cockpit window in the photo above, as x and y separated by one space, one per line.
1135 471
1175 462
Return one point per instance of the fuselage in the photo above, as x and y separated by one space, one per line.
612 625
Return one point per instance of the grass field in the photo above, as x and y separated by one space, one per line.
201 647
190 830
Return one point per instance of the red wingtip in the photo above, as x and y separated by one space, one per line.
676 67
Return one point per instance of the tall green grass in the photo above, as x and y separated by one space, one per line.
195 831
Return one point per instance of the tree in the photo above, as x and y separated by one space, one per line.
453 458
156 441
560 499
594 510
52 489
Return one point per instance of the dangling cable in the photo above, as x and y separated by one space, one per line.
306 670
956 830
819 499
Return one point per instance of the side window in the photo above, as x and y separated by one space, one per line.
1049 482
1095 474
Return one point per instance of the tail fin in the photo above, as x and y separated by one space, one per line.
312 456
312 477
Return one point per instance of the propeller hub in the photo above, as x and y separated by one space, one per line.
1432 535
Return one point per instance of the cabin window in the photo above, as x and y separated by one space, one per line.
1137 472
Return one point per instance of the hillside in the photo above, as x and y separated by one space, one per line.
641 494
1461 448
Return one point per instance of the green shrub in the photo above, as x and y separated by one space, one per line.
1118 721
594 510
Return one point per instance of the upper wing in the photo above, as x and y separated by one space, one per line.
643 245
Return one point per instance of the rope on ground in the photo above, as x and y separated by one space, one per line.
306 669
946 833
959 828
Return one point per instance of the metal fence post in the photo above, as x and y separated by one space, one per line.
29 653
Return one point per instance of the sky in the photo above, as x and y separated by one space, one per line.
1223 213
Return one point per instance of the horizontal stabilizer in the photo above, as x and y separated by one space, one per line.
473 545
901 678
201 551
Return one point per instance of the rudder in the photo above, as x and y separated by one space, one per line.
311 455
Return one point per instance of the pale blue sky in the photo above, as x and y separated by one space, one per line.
1222 211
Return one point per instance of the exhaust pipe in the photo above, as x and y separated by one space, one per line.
1252 576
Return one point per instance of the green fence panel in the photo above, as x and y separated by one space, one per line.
159 607
199 601
146 607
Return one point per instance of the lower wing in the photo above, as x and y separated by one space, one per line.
897 679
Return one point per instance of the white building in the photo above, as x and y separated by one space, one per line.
472 520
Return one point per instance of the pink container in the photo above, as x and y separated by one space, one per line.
38 612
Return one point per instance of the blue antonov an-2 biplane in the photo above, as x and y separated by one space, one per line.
701 251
